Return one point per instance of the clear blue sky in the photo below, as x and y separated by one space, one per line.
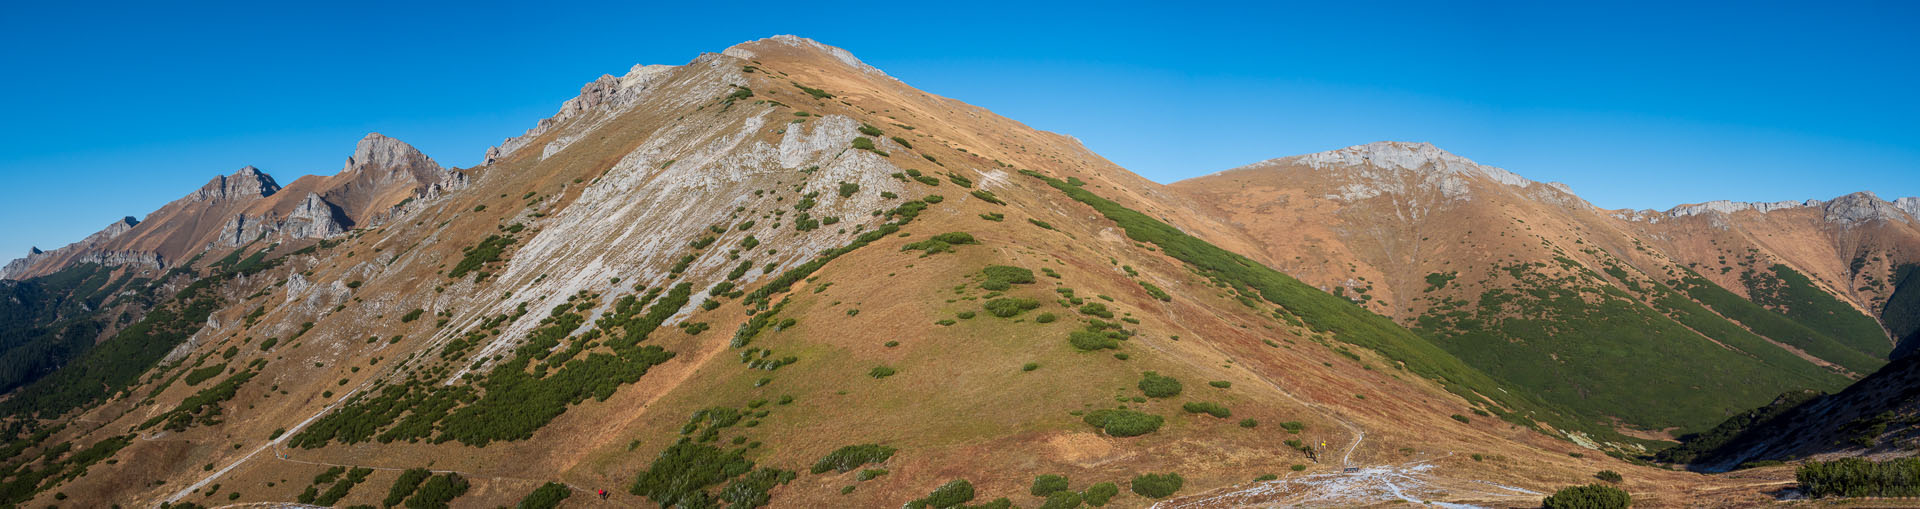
114 110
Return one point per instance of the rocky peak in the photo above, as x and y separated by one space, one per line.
249 182
1408 156
383 156
1862 207
34 250
1909 204
751 49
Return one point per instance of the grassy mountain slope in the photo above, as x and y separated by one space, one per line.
778 276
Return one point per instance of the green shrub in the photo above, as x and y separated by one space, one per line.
815 92
1097 495
438 492
1003 277
1062 500
480 255
1030 366
405 485
987 196
201 375
941 243
1294 427
953 493
1008 307
862 143
1156 386
902 141
1463 419
1223 384
1123 423
1249 423
1048 484
1088 341
869 474
881 372
412 315
1156 292
547 496
1157 485
1209 408
994 216
1609 476
1096 309
1592 496
1039 223
848 188
1856 477
845 459
964 315
1045 318
869 130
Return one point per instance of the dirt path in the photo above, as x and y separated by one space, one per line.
269 445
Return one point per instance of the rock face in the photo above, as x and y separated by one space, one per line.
1845 210
1729 207
248 183
1393 167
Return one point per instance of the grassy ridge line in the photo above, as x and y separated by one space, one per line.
1325 312
1777 326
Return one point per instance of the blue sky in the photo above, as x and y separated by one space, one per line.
114 110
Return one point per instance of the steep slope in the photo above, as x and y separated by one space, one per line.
776 274
1878 416
1541 289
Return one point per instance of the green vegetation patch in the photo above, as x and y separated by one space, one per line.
1048 484
845 459
1209 408
942 243
1003 277
1154 385
1592 496
1123 423
547 496
1008 307
1157 485
479 256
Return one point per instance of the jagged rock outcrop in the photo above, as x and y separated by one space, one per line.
1393 167
116 258
248 183
1845 210
1909 204
1861 207
1729 207
607 94
313 218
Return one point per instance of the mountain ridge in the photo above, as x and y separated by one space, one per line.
921 296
